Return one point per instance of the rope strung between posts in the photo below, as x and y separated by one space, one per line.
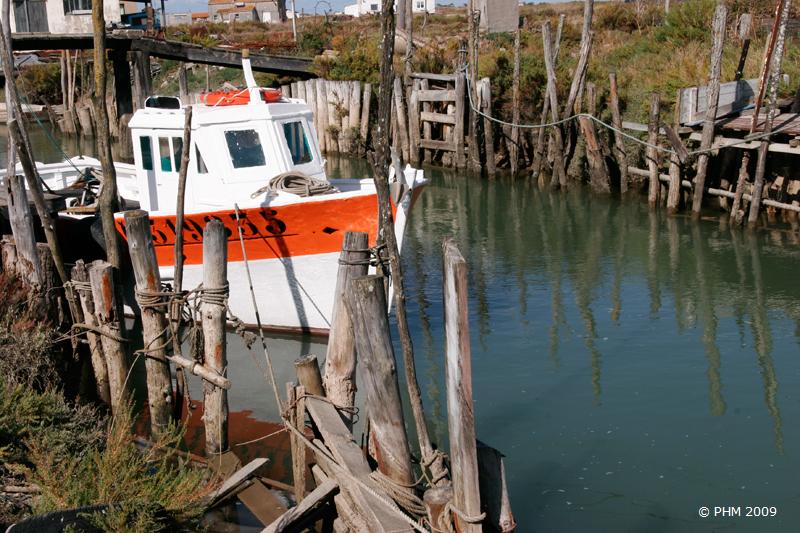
402 494
632 138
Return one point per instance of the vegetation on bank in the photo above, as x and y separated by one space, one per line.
68 454
651 51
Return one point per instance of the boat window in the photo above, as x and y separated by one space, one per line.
297 142
201 165
177 148
166 157
146 145
245 148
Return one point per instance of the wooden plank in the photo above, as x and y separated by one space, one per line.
733 97
451 78
350 457
236 480
441 118
262 502
437 95
309 503
437 145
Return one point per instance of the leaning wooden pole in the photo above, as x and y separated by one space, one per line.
774 72
559 178
153 309
175 311
513 151
340 362
19 134
460 410
538 154
213 309
380 164
620 155
712 100
366 300
654 189
108 194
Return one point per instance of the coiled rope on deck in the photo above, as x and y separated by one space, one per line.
298 183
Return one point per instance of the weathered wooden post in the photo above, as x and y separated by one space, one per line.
598 170
488 126
309 375
153 309
513 152
458 365
619 144
654 190
675 162
712 100
366 300
365 107
458 131
297 418
402 121
80 282
214 315
340 361
413 124
559 177
108 312
494 490
27 266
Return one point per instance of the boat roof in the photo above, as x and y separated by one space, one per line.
206 115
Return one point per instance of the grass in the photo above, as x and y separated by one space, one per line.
75 453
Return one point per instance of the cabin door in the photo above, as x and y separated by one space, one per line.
30 16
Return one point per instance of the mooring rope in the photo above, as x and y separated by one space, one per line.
632 138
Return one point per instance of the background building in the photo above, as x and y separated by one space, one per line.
266 10
498 15
366 7
59 16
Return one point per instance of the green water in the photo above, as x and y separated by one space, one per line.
632 367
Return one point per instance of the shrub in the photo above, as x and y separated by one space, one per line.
40 84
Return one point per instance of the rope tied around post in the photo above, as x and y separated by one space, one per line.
446 519
377 256
401 493
215 296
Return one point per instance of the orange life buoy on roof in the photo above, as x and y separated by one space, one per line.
224 98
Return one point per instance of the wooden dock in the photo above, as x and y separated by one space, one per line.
134 41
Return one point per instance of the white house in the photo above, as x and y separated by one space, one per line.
59 16
367 7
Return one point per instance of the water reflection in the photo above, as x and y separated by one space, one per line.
591 317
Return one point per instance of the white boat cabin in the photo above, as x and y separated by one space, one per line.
235 150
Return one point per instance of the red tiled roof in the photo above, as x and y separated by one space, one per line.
200 15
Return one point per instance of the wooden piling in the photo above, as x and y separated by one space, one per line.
183 84
542 132
675 163
620 155
295 402
654 190
80 281
413 124
27 266
461 417
366 300
718 38
598 170
213 309
559 177
108 312
513 149
488 126
494 489
402 119
153 309
365 108
340 361
458 137
309 375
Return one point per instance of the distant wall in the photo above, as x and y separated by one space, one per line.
498 15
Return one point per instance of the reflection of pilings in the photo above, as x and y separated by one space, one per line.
652 265
553 259
479 218
674 240
514 204
763 342
583 299
739 301
717 402
619 260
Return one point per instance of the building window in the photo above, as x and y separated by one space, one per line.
297 142
373 7
421 4
245 148
77 6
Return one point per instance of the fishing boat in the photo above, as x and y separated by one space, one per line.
254 164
